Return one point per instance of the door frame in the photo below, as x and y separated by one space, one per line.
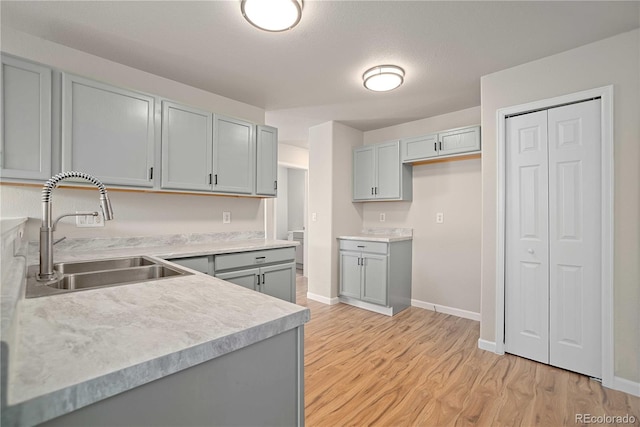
605 94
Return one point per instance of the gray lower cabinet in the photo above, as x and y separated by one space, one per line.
272 272
375 275
262 384
107 132
187 147
266 161
233 155
202 264
378 173
442 144
25 150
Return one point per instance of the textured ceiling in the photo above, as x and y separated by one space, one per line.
313 73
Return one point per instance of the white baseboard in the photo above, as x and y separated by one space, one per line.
487 345
446 310
324 300
627 386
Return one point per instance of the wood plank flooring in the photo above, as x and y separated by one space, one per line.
421 368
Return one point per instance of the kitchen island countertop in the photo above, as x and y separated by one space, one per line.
75 349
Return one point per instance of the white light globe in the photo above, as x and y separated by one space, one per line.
272 15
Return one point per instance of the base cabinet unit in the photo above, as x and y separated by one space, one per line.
258 385
272 272
107 132
442 144
376 275
378 173
25 149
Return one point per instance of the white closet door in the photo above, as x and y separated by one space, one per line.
575 237
527 245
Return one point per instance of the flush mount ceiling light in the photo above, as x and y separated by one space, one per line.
383 78
272 15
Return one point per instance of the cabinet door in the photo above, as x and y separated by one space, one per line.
187 144
363 173
267 161
107 132
459 141
279 281
420 147
233 155
25 151
374 282
247 278
350 274
388 171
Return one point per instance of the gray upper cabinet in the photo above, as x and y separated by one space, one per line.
442 144
420 147
266 160
107 132
459 141
233 155
379 175
187 147
25 150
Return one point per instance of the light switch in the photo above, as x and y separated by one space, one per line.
383 217
439 218
226 217
314 216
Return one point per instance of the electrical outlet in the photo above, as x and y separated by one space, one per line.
439 218
314 216
383 217
226 217
89 221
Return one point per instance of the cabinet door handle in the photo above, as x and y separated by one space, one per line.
263 278
258 280
216 179
275 185
150 173
372 191
376 190
358 260
440 142
435 146
210 179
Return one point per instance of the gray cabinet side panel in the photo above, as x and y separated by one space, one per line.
400 262
258 385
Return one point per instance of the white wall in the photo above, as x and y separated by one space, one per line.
282 203
446 257
136 213
616 61
296 189
330 154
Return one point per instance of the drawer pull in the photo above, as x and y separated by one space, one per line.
260 257
361 246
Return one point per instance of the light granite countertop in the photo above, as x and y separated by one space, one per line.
386 235
75 349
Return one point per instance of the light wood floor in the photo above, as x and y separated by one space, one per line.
421 368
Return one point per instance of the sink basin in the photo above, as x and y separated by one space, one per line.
83 275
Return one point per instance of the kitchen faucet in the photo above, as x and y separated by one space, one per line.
46 230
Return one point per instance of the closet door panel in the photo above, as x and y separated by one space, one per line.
526 263
575 237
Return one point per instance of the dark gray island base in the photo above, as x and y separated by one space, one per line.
258 385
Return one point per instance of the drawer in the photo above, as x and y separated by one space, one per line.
248 259
199 263
364 246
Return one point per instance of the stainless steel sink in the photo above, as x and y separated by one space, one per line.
83 275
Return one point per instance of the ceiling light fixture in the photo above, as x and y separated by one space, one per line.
272 15
383 78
